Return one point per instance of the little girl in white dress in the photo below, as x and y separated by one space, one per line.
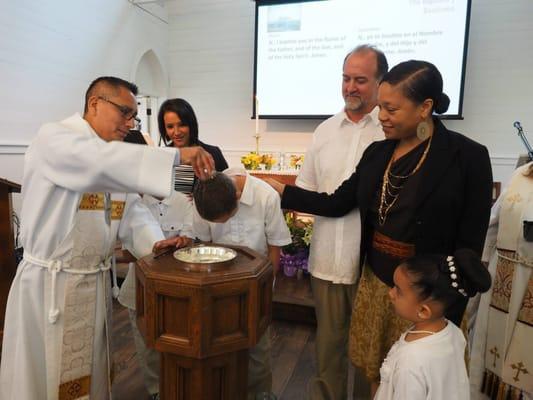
427 362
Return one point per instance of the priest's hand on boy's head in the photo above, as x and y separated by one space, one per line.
201 161
174 242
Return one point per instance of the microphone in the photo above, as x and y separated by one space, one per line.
518 127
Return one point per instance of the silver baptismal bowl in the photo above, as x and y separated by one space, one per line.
205 255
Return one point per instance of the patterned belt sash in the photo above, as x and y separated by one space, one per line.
394 248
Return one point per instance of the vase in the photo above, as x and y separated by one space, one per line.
292 263
286 262
289 268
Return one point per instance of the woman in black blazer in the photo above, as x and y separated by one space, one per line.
424 189
178 127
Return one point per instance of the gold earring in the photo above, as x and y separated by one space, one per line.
419 315
422 130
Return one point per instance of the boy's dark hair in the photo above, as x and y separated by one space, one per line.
215 197
184 110
108 82
432 278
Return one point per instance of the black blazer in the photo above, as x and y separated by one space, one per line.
453 200
452 203
220 161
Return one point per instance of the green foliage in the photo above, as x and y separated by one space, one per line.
301 232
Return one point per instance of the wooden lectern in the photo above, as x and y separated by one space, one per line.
203 320
8 266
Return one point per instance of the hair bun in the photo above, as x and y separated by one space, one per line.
442 104
474 275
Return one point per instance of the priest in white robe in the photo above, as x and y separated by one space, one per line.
77 174
501 363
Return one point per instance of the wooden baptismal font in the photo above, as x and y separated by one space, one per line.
203 318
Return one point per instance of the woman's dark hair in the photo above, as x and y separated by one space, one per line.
419 80
188 118
432 278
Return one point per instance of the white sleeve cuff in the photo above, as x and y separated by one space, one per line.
157 172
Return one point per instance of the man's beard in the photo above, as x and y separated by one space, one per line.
353 103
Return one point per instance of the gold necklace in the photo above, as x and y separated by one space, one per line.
393 191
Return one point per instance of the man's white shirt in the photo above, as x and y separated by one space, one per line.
338 144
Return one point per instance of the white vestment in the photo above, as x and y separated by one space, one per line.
501 363
73 210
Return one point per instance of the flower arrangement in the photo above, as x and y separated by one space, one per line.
294 256
301 232
253 160
296 161
268 160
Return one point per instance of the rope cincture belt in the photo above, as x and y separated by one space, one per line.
55 266
517 259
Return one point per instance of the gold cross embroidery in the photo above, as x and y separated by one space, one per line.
519 369
514 198
496 354
75 389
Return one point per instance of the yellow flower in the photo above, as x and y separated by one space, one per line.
251 160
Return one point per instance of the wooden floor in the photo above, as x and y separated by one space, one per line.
128 382
293 359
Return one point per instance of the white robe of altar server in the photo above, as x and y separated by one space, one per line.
65 161
174 216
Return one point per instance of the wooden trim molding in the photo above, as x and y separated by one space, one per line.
13 148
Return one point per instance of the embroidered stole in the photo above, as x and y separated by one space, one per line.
90 240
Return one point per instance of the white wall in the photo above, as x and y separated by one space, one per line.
49 53
211 65
50 50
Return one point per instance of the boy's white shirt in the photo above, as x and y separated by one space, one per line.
259 221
